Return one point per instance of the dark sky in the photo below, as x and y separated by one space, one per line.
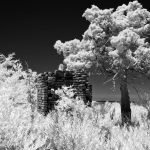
30 29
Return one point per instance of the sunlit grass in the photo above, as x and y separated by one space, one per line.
86 128
83 128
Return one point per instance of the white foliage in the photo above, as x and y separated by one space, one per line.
15 109
125 39
67 100
120 29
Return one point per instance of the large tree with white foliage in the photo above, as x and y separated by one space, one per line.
115 42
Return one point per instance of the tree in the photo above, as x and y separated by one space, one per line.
115 43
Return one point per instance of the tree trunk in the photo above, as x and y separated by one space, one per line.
125 99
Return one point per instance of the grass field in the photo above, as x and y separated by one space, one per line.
95 128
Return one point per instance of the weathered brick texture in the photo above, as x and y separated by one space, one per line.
46 99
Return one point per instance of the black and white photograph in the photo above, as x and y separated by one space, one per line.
75 75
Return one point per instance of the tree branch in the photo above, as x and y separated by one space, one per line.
112 78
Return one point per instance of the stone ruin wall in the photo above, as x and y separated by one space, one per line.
47 81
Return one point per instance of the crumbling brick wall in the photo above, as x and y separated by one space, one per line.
47 81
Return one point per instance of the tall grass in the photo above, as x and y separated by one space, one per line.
72 126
